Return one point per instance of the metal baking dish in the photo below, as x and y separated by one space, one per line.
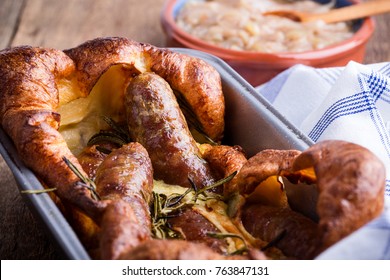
251 122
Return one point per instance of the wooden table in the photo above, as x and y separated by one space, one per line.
65 24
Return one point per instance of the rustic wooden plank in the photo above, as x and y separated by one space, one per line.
378 48
9 14
21 236
65 24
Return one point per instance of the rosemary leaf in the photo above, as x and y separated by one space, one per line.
219 235
239 251
216 184
38 191
103 150
91 188
85 181
275 241
161 212
177 199
107 136
156 206
120 130
191 117
74 169
117 135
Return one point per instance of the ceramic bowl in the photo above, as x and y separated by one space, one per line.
258 67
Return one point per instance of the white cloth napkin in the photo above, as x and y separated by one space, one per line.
349 103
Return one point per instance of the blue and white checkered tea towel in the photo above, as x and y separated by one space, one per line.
349 103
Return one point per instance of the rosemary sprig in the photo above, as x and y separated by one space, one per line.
117 128
207 188
220 235
103 150
176 200
163 206
107 136
117 135
191 117
85 181
275 241
38 191
161 212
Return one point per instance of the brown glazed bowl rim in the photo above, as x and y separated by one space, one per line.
360 37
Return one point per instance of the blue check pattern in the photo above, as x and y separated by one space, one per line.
350 105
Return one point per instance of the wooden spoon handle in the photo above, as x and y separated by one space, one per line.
351 12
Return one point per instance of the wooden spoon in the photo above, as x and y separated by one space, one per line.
351 12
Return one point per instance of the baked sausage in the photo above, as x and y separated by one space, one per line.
294 234
194 227
121 230
90 159
196 81
200 89
125 178
156 121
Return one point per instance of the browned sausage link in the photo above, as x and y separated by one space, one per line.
127 174
121 230
125 177
198 83
159 249
224 161
155 120
194 227
297 235
90 159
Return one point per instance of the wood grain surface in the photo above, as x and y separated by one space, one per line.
65 24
